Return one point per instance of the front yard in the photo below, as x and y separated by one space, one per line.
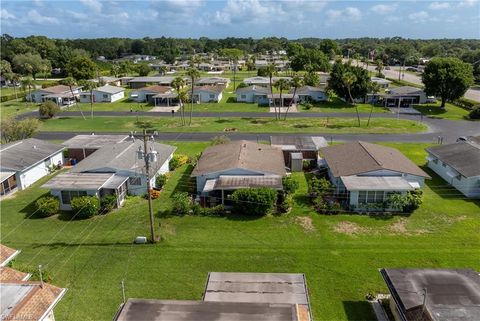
340 254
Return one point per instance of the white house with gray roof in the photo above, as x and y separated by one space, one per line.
25 162
113 169
104 94
458 164
404 96
253 94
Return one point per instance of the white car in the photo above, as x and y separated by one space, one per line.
431 100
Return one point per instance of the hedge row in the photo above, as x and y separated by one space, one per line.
11 97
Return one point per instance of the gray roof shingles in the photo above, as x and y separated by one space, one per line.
21 155
464 157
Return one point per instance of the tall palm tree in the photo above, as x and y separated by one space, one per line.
270 70
90 86
348 80
281 85
70 82
379 67
373 88
27 84
163 70
178 83
194 74
182 97
296 82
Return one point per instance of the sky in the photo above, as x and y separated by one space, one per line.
292 19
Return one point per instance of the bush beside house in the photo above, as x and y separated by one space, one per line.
254 201
47 206
85 206
48 109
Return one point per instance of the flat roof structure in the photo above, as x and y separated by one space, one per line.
275 288
165 310
304 143
435 294
376 183
233 182
79 181
93 141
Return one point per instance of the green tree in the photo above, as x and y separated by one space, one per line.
5 67
27 84
312 59
448 78
348 80
70 82
270 71
115 70
254 201
89 86
358 89
144 70
193 74
379 67
126 67
12 129
81 68
29 64
296 82
233 55
282 84
48 109
178 83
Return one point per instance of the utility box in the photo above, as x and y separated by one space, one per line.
296 161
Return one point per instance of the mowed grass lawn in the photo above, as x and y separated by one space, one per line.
450 111
340 254
252 125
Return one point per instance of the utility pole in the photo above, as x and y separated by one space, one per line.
146 158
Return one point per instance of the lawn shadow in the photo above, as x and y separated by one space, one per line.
239 217
30 208
358 310
258 121
185 183
231 100
222 121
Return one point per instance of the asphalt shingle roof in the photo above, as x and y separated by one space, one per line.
464 157
23 154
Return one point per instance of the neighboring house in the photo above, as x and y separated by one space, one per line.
323 77
257 81
113 81
146 94
253 94
7 255
366 174
458 164
140 82
261 63
82 146
222 169
204 66
113 169
285 101
212 81
60 94
310 94
25 162
231 297
207 94
22 299
104 94
125 80
433 294
382 83
404 96
306 146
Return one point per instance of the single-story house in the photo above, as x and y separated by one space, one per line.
207 94
310 94
433 294
404 96
7 254
23 299
282 100
212 81
146 94
140 82
257 81
253 94
261 63
306 146
323 77
113 169
82 146
25 162
104 94
205 66
366 174
59 94
113 81
222 169
125 80
382 82
458 164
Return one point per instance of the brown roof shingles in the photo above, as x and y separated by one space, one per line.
361 157
9 274
6 253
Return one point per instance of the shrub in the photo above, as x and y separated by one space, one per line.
47 206
177 161
307 106
475 113
218 210
406 203
154 194
325 206
290 185
85 206
320 187
220 140
194 159
181 203
254 201
285 204
161 180
48 109
108 203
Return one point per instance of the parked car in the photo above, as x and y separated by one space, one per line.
412 69
387 67
431 100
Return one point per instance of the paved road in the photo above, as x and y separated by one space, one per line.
472 93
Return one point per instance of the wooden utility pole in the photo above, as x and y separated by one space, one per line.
146 158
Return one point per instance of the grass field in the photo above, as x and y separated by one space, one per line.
91 257
449 112
252 125
15 107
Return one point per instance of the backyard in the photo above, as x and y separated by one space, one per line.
339 254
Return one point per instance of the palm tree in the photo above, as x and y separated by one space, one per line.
281 85
178 83
182 97
90 86
163 70
28 84
194 74
379 67
296 82
348 80
374 88
70 82
115 70
270 70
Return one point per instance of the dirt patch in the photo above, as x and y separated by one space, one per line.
169 228
399 227
305 222
349 228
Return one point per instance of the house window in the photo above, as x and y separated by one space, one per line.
212 96
105 96
362 197
370 197
244 96
378 196
84 96
435 161
67 196
135 181
48 162
444 165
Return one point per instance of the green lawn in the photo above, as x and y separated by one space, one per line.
450 111
336 105
252 125
91 257
15 107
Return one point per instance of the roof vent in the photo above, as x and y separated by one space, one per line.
34 146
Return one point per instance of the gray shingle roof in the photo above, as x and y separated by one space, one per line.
123 156
93 141
241 154
23 154
464 157
109 89
304 143
361 157
405 90
255 89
